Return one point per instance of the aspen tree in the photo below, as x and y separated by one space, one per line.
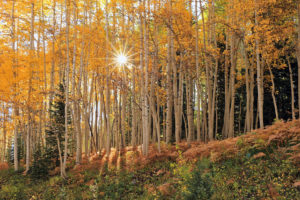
169 78
29 106
298 54
247 118
52 75
63 171
107 93
292 90
16 109
259 73
145 106
5 113
273 93
198 83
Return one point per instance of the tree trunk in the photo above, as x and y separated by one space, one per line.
259 72
63 172
292 90
176 94
232 84
107 102
247 118
208 72
144 70
16 109
5 110
227 92
190 114
252 95
273 93
198 83
28 138
85 112
44 111
134 111
154 78
52 75
169 81
298 56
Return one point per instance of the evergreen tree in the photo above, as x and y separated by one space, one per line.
43 160
56 126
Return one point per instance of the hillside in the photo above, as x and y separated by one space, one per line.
263 164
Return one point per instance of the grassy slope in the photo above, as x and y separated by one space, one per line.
264 164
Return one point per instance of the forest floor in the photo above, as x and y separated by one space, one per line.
263 164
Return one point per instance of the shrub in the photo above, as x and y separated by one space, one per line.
119 186
200 185
40 166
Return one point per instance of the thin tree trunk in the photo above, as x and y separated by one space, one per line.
28 138
259 72
155 71
76 118
176 98
198 83
134 111
169 81
227 93
214 44
240 116
85 112
298 56
232 85
273 93
60 155
146 132
16 109
251 95
4 130
207 62
44 112
107 102
123 116
63 172
292 90
52 75
77 100
247 118
190 114
96 119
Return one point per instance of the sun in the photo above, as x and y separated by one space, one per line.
122 56
121 59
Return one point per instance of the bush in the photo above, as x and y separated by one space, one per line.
119 186
200 185
40 166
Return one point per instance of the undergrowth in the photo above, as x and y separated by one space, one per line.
246 176
258 169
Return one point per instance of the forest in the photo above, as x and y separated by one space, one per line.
149 99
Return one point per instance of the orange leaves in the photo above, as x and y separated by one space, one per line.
278 133
296 184
259 155
4 166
